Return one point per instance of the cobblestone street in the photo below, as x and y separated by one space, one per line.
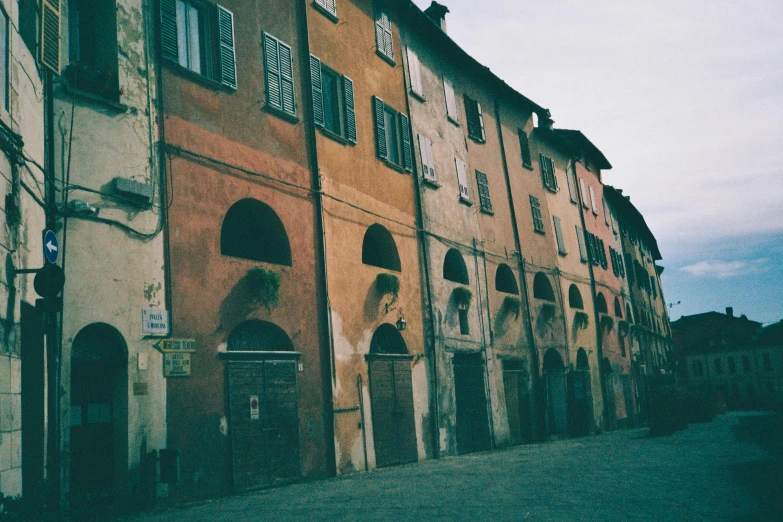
729 469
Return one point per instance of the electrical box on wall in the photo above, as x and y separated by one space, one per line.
134 190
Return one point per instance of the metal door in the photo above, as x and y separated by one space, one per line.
393 424
471 402
264 423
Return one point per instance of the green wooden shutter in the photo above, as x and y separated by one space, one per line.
228 57
580 240
168 30
50 35
317 88
407 150
573 193
535 208
272 72
561 248
380 128
287 78
462 179
483 189
350 110
524 146
475 120
480 114
383 35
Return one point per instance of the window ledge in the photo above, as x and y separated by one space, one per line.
431 182
452 120
418 96
550 189
111 104
465 201
394 166
487 212
477 139
327 14
281 114
334 136
197 77
527 166
386 59
542 232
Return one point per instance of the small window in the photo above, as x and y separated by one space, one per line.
593 204
427 160
561 248
392 136
451 102
3 59
618 309
575 298
328 7
279 76
383 36
580 240
524 146
464 325
746 364
548 172
607 219
454 268
483 190
379 249
600 304
252 230
732 365
92 48
535 207
573 193
583 190
462 180
202 40
333 101
542 288
414 74
628 314
475 120
505 281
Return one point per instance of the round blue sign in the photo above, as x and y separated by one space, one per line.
50 246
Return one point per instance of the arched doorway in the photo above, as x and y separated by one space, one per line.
391 398
555 389
580 396
99 411
263 405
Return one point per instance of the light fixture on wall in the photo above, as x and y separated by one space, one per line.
401 323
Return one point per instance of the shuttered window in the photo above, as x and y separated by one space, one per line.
190 38
580 240
593 204
535 208
561 248
475 120
383 35
427 161
573 193
414 73
333 101
279 75
462 179
483 190
328 6
50 35
451 101
583 190
548 176
607 219
524 147
3 59
392 135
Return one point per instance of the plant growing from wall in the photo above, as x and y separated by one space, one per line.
388 284
462 297
265 285
581 320
622 327
547 311
512 305
607 322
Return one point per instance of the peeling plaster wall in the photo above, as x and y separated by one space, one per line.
111 275
20 242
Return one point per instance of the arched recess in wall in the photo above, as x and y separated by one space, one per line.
252 230
505 280
575 298
581 360
618 309
99 409
542 288
387 340
379 249
628 315
552 360
259 336
600 304
454 268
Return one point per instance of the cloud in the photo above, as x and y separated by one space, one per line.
726 269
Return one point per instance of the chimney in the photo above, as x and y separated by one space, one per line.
545 122
437 13
730 311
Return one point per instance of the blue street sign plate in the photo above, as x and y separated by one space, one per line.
50 247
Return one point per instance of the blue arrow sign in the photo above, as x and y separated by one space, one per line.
50 247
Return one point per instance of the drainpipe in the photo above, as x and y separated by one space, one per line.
429 316
328 369
528 319
593 293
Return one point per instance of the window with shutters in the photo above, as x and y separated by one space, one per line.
383 36
593 204
392 136
414 75
279 76
29 24
92 48
524 147
483 190
548 176
607 219
3 59
462 180
199 38
49 31
573 193
475 120
583 190
427 161
451 102
327 7
333 102
535 208
580 240
561 247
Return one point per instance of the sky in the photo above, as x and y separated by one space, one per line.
685 99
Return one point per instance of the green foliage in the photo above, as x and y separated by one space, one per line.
607 322
581 320
462 297
547 311
512 305
265 284
388 284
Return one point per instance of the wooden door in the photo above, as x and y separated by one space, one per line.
515 383
393 424
264 422
556 402
471 401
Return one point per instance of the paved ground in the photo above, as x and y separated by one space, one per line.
729 469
